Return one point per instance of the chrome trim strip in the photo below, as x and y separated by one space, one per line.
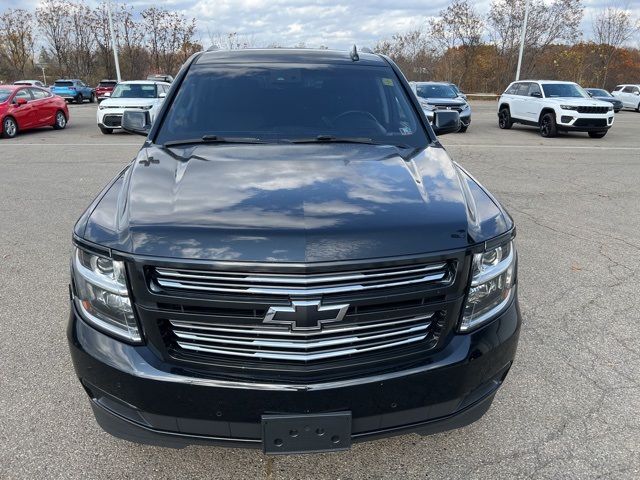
301 291
299 344
299 357
302 279
282 331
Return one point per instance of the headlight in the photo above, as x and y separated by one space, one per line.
492 281
101 294
568 107
610 108
146 107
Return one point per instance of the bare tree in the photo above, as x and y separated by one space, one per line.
411 51
169 38
55 26
549 23
612 28
458 27
16 40
231 40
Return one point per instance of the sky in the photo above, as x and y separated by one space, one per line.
332 23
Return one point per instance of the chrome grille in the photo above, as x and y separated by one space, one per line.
298 284
281 343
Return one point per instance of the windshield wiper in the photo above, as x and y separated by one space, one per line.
331 139
334 139
212 139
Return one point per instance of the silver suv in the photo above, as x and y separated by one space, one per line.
629 95
552 107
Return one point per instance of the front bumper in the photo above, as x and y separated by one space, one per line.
137 398
577 122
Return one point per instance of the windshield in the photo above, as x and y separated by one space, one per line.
4 95
134 90
63 84
435 91
563 90
597 92
280 102
107 84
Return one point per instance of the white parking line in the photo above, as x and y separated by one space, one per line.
554 147
44 144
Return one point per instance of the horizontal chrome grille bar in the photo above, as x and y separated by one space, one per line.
298 346
298 284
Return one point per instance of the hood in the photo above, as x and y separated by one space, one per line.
448 102
290 203
580 102
607 99
127 102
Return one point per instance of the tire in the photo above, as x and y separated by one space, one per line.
548 126
106 131
92 98
504 119
9 127
463 129
79 98
638 108
60 121
597 134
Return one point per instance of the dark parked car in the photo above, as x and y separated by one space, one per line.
292 262
105 88
434 96
601 94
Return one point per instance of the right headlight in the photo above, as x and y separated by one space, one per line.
492 282
101 295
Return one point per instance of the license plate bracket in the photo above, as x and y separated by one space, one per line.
295 433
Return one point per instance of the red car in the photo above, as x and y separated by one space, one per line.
105 87
24 108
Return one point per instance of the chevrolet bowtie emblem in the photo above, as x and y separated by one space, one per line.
306 315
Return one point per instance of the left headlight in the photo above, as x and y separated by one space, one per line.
492 282
101 294
568 107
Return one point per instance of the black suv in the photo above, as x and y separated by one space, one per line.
291 262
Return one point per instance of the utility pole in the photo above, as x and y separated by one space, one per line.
522 37
113 42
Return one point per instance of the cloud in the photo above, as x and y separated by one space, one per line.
333 23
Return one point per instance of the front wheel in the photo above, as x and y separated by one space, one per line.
548 126
92 98
60 121
504 119
79 98
597 134
638 108
463 129
9 128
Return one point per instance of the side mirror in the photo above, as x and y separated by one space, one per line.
590 94
21 101
536 94
136 122
636 93
162 94
445 121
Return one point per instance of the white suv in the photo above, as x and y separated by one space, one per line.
629 95
554 106
136 95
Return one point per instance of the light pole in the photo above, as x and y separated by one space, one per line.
44 77
113 42
522 37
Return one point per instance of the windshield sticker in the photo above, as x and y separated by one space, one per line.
388 82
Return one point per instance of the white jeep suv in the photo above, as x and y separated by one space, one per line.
629 95
133 95
554 106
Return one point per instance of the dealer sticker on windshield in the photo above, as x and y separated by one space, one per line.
388 82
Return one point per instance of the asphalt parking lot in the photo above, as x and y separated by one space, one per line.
569 408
